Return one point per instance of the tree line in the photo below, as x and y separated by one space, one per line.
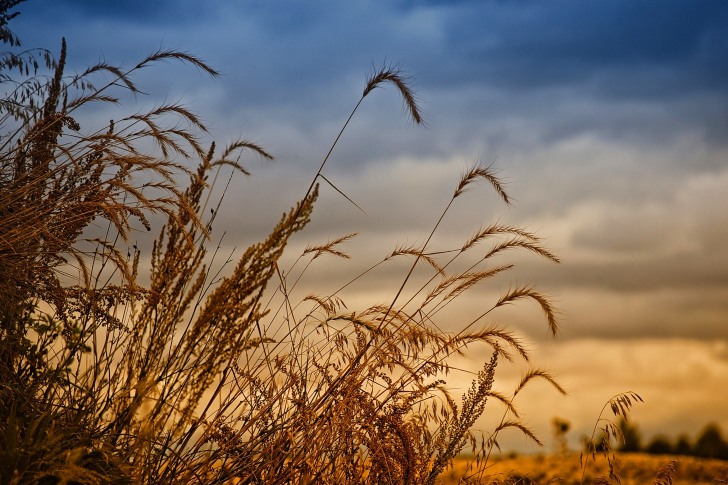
710 443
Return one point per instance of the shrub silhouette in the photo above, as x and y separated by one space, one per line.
631 435
710 443
683 446
660 445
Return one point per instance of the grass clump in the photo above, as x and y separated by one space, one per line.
219 377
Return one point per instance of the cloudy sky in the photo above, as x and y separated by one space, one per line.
608 120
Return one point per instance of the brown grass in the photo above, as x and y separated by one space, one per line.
232 376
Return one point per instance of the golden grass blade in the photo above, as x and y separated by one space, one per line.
240 144
419 254
329 247
496 229
538 374
522 244
527 292
519 426
469 280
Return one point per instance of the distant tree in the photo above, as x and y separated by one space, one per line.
560 427
710 443
683 446
632 441
660 445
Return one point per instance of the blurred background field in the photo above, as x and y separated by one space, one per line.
633 469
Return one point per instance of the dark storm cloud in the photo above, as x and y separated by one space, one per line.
505 79
627 49
559 67
535 44
621 48
160 12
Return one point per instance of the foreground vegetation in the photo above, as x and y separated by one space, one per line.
202 377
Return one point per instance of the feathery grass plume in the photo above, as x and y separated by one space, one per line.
237 146
171 54
20 103
523 292
417 253
524 244
467 280
478 172
664 475
384 74
620 406
330 304
452 437
495 229
329 248
6 36
393 74
538 374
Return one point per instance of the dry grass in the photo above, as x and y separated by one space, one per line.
234 376
347 396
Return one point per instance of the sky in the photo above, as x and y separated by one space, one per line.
607 120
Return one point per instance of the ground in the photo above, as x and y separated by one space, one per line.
632 468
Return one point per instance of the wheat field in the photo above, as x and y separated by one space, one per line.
634 469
